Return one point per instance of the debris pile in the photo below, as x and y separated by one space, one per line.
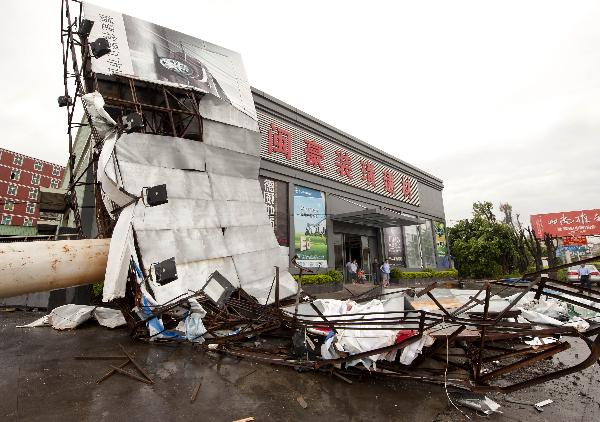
193 257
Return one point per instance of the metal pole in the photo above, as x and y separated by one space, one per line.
276 286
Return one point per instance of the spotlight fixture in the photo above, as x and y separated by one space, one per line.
155 195
133 122
64 101
165 271
218 288
100 47
85 28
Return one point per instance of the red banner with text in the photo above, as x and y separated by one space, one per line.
567 224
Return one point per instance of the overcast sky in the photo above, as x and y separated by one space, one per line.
501 99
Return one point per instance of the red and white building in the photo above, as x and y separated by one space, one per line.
20 180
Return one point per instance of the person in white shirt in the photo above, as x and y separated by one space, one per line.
584 276
385 272
353 269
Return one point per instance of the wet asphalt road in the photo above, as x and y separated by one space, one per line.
41 381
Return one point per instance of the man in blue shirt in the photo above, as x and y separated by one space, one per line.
584 276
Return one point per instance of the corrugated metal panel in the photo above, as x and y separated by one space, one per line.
298 160
18 231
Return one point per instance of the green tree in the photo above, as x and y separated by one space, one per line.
483 247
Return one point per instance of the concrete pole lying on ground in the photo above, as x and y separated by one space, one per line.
28 267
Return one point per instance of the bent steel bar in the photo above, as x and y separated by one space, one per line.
589 361
523 362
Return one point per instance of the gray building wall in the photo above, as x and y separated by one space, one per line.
431 205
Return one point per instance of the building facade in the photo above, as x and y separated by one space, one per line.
20 180
333 198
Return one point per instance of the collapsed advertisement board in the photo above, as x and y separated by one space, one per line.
147 51
394 244
567 224
310 227
275 195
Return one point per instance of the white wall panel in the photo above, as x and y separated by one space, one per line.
161 151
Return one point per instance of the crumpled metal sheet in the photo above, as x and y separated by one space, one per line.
240 240
94 105
107 176
186 245
260 288
259 265
241 213
180 183
213 108
231 163
192 277
231 137
119 256
235 189
161 151
177 214
215 217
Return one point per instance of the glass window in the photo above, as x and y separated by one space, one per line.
35 179
38 165
30 208
18 160
338 251
54 183
6 220
15 174
12 189
27 221
9 205
33 193
412 247
427 245
56 170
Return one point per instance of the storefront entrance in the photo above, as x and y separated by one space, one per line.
360 247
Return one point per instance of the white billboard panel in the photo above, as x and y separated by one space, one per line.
151 52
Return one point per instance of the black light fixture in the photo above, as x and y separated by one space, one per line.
165 271
85 28
218 289
156 195
64 101
100 47
133 122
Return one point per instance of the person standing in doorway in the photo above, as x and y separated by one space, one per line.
385 272
353 269
348 270
375 271
584 276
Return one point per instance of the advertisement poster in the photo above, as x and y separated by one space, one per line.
575 241
567 224
394 244
275 195
310 225
151 52
441 247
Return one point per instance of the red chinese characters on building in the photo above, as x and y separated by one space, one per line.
313 152
368 172
567 224
343 164
406 187
388 181
280 141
